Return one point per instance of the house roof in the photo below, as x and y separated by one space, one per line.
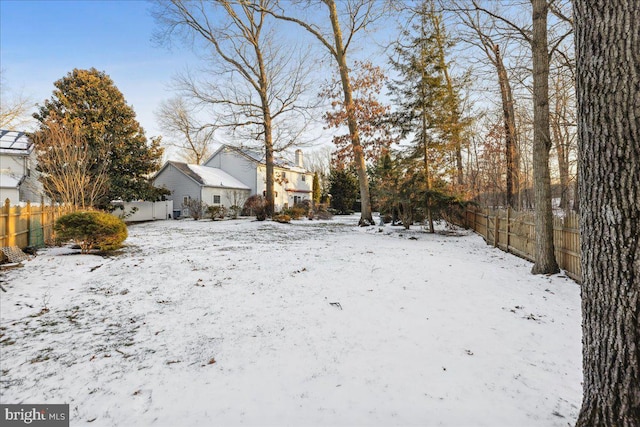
208 176
258 157
14 142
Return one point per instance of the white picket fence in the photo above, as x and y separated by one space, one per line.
143 211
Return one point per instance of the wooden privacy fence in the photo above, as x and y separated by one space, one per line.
30 225
514 232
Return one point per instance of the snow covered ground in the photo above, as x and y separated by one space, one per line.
303 324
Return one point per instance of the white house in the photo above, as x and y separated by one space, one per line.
18 174
212 186
293 182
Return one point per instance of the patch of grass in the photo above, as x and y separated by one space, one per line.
44 355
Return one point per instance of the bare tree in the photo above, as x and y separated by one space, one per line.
71 173
359 15
608 89
536 36
563 127
13 107
178 119
237 199
490 43
257 84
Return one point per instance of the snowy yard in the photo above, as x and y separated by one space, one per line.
303 324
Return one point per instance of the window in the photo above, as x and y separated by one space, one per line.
216 199
284 174
185 200
304 177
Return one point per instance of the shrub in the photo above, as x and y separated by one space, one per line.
196 207
283 218
234 211
92 230
295 212
321 211
256 205
216 212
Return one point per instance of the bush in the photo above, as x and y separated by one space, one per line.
216 212
196 207
283 218
234 211
256 205
92 230
322 211
295 212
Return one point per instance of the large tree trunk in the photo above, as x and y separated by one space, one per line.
363 180
263 84
511 144
608 94
545 257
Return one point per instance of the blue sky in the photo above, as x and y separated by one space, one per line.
42 40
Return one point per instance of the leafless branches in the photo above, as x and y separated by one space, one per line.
178 119
70 173
13 107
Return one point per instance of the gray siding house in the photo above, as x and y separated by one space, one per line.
187 182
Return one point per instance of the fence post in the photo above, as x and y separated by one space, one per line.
42 217
496 232
28 222
486 226
508 227
7 222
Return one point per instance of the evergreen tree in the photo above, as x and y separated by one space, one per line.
343 187
317 191
384 186
423 98
87 101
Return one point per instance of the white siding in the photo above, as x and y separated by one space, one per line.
228 197
14 163
23 166
297 189
9 193
238 166
181 185
253 175
145 211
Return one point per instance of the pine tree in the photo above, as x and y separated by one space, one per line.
422 97
384 186
343 187
88 101
317 191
